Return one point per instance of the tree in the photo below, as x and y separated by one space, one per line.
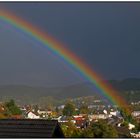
102 130
12 108
70 131
127 115
125 124
136 129
84 109
98 129
87 133
69 109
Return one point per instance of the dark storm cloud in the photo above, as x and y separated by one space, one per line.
105 35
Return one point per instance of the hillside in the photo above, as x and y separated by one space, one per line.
128 88
126 84
26 94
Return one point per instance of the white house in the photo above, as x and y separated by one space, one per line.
135 113
131 126
31 115
43 113
62 119
134 135
61 107
98 116
115 113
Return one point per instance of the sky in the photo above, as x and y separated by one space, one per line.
105 35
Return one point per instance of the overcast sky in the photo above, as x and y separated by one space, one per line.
105 35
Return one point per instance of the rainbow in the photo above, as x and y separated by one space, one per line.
62 51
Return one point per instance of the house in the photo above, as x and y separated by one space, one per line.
97 101
32 115
98 115
42 113
115 113
134 135
30 128
80 121
2 108
57 118
91 106
63 119
49 113
115 121
135 113
28 107
61 107
131 126
138 118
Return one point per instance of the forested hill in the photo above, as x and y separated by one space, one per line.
126 84
128 88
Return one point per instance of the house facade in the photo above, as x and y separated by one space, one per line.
135 113
32 115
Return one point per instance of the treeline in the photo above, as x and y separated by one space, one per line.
98 129
9 109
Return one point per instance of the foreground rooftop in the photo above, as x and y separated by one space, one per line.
30 128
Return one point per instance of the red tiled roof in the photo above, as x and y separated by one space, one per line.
79 118
16 117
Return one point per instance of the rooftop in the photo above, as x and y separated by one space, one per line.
30 128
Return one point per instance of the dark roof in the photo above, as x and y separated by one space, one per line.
30 128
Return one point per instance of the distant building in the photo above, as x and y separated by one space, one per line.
92 106
115 121
135 113
115 113
43 113
49 113
32 115
97 101
80 121
98 116
61 107
134 135
63 119
131 126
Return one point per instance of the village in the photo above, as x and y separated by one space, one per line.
81 117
